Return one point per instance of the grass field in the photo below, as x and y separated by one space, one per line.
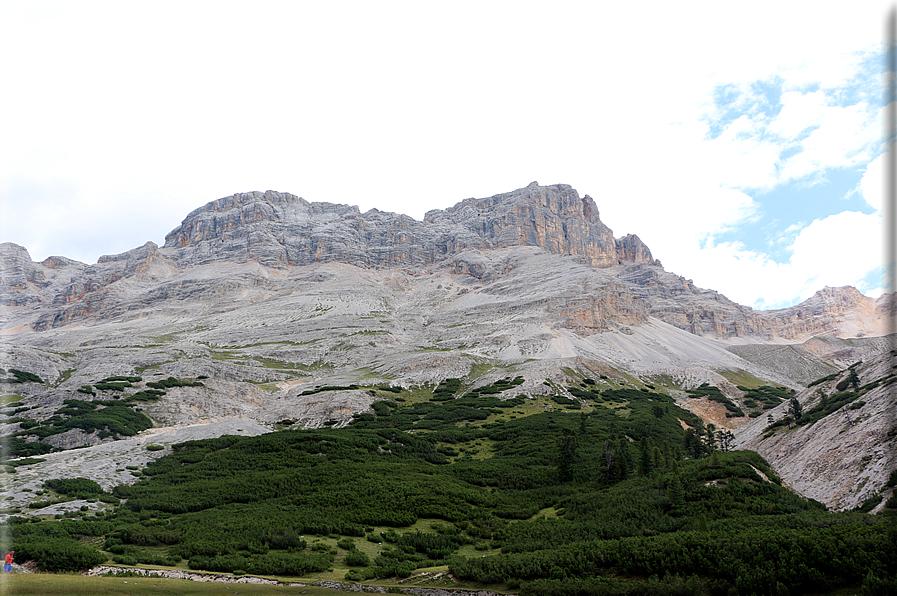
41 584
48 584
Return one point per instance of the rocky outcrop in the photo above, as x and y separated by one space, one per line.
280 229
553 218
91 291
17 273
841 312
226 578
630 248
601 307
885 308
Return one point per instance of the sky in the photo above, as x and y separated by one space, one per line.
740 141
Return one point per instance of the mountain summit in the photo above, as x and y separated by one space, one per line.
280 229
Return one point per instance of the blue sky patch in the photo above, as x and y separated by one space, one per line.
757 99
797 202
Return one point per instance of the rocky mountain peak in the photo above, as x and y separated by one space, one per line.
17 267
281 229
846 296
270 230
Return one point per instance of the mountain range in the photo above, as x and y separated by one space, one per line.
285 312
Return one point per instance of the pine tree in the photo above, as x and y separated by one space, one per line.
795 411
676 492
567 458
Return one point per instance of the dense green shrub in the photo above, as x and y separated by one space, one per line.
850 379
446 389
356 558
58 554
81 488
346 544
112 419
643 507
820 380
21 448
173 382
766 396
20 376
146 395
112 386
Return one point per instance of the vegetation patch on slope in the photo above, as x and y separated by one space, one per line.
714 394
111 413
639 505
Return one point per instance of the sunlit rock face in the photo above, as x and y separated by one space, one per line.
280 229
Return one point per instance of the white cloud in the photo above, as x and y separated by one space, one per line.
871 183
793 228
838 250
800 111
744 162
844 137
680 213
817 133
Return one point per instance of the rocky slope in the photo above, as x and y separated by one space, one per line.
843 458
267 295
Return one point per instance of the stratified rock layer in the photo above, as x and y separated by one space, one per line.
280 229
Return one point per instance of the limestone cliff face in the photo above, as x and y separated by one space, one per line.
838 312
830 311
553 218
885 307
280 229
23 282
76 291
630 248
18 272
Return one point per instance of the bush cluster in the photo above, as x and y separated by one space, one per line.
638 505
